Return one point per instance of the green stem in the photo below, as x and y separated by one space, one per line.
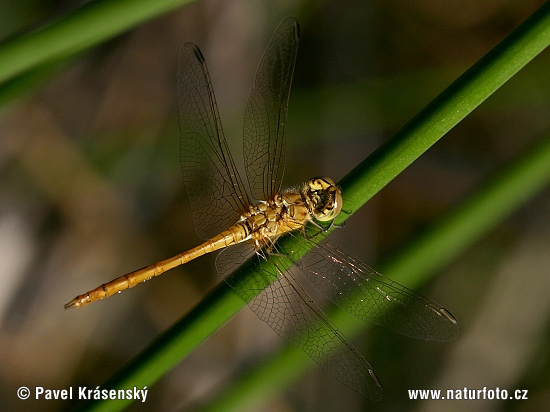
447 109
462 97
93 23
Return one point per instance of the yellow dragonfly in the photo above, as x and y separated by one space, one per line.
225 215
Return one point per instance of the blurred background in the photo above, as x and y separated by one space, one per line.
91 188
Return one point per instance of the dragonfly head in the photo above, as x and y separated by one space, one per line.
323 198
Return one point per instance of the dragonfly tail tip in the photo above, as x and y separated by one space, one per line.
72 304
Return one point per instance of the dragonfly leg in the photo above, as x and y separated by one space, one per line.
311 234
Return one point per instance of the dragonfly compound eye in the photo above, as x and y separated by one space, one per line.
323 197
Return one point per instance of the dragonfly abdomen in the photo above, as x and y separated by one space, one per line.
235 234
263 224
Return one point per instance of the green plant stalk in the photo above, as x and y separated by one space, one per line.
445 240
462 97
447 109
93 23
28 81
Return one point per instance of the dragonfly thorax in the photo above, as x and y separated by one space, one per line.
265 221
322 197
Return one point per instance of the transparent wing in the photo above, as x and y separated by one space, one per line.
266 112
278 300
215 190
369 296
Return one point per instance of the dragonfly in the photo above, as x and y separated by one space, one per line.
247 225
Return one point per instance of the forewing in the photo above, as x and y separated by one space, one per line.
215 190
266 112
278 300
369 296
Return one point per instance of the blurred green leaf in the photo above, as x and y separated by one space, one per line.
93 23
